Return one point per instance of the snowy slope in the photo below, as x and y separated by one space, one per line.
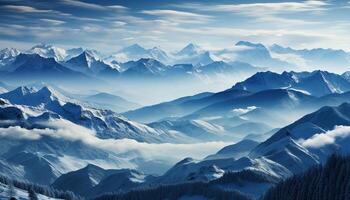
235 151
19 194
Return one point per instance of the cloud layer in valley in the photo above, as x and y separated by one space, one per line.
63 129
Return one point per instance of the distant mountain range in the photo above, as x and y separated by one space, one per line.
135 61
255 54
48 63
324 59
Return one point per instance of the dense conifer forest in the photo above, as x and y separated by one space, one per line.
331 181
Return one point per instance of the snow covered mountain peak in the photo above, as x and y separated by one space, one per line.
8 53
88 57
144 66
87 62
190 49
49 51
134 49
23 90
346 75
31 96
48 91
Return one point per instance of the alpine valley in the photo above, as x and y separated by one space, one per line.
174 100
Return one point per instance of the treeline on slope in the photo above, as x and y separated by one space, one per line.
331 181
209 190
39 189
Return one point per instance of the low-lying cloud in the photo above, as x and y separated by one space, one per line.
63 129
241 111
327 138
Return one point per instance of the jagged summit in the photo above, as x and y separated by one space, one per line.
190 49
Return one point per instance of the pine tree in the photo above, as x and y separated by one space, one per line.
11 192
32 195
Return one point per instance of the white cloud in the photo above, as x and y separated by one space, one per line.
175 13
329 137
53 21
17 132
256 8
241 111
180 17
82 4
25 9
118 23
117 7
91 6
66 130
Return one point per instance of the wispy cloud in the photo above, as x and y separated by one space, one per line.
178 16
264 12
25 9
53 21
91 6
175 13
82 4
256 8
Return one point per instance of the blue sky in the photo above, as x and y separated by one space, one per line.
110 25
